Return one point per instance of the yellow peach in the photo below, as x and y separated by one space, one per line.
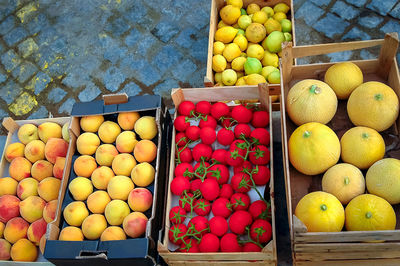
2 226
71 233
80 188
108 131
27 187
91 123
143 174
20 168
145 151
54 148
49 130
87 143
34 150
27 133
9 207
116 211
5 249
84 165
113 233
119 187
97 201
135 224
127 120
58 168
36 230
48 188
24 250
101 176
8 186
140 199
146 127
123 164
126 141
16 228
49 211
93 226
105 154
42 169
31 208
14 150
75 212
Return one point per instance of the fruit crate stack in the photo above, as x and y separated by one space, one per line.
342 196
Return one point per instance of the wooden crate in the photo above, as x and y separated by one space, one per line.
216 6
334 248
268 255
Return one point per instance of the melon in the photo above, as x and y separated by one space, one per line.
344 78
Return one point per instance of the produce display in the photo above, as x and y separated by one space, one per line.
247 43
344 156
28 197
110 190
220 175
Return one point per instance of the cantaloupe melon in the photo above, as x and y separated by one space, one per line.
343 78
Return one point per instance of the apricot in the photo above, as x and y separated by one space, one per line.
143 174
9 207
71 233
145 151
31 209
97 201
105 154
27 187
48 188
34 150
146 127
58 168
14 150
2 226
42 169
8 186
135 224
113 233
119 187
55 148
87 143
49 211
140 199
16 228
91 123
126 141
80 188
27 133
127 120
36 230
84 165
75 212
116 211
108 131
24 250
93 226
123 164
20 168
5 249
48 130
101 176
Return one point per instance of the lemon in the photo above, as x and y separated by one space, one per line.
272 25
243 11
254 79
241 32
231 51
225 34
281 7
237 3
286 25
236 26
252 66
255 51
229 77
229 14
279 16
268 70
239 74
243 55
288 36
270 59
221 24
240 82
244 21
241 41
274 77
268 10
238 63
252 8
260 17
218 48
218 63
218 77
255 32
273 41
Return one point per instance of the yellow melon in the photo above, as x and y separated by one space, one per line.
311 100
373 104
344 78
313 148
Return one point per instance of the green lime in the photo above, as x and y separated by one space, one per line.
252 66
286 25
288 36
274 41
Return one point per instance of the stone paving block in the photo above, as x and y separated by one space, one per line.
382 7
59 46
148 74
89 93
164 88
37 23
40 81
199 49
199 19
391 26
358 3
197 79
364 54
344 10
24 71
27 47
27 12
113 78
167 57
113 54
131 89
309 12
321 2
340 56
23 104
371 21
66 107
3 114
186 37
138 14
39 113
7 25
57 68
10 91
331 25
133 36
395 11
15 36
117 27
3 76
56 95
10 60
145 42
356 34
165 30
184 70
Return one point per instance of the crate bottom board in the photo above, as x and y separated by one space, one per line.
216 263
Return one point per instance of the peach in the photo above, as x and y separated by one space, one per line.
8 186
127 120
65 132
36 230
116 211
126 141
14 150
27 187
71 233
93 226
42 169
145 151
58 168
135 224
75 212
5 248
24 250
143 174
9 207
146 127
123 164
34 150
31 208
105 154
87 143
108 131
140 199
97 201
2 226
80 188
48 130
119 187
16 229
27 133
20 168
101 176
113 233
55 148
84 165
91 123
49 211
48 188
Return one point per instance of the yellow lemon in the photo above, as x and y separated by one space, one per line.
218 63
252 8
236 26
268 10
254 79
278 16
239 74
241 41
270 59
255 51
240 82
259 17
244 21
343 78
255 32
231 51
218 77
229 77
218 48
226 34
281 7
229 14
272 25
274 77
222 24
268 70
237 3
243 55
321 212
238 63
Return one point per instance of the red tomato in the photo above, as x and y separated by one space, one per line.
246 165
193 133
219 110
241 114
186 108
208 135
239 221
184 169
209 189
190 246
241 182
261 135
177 215
219 172
186 201
179 184
209 243
260 210
225 136
251 247
181 123
226 191
229 243
260 119
195 184
180 139
218 225
220 155
199 226
221 207
240 201
185 155
260 155
176 233
242 129
202 207
208 121
261 231
262 176
202 151
203 107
